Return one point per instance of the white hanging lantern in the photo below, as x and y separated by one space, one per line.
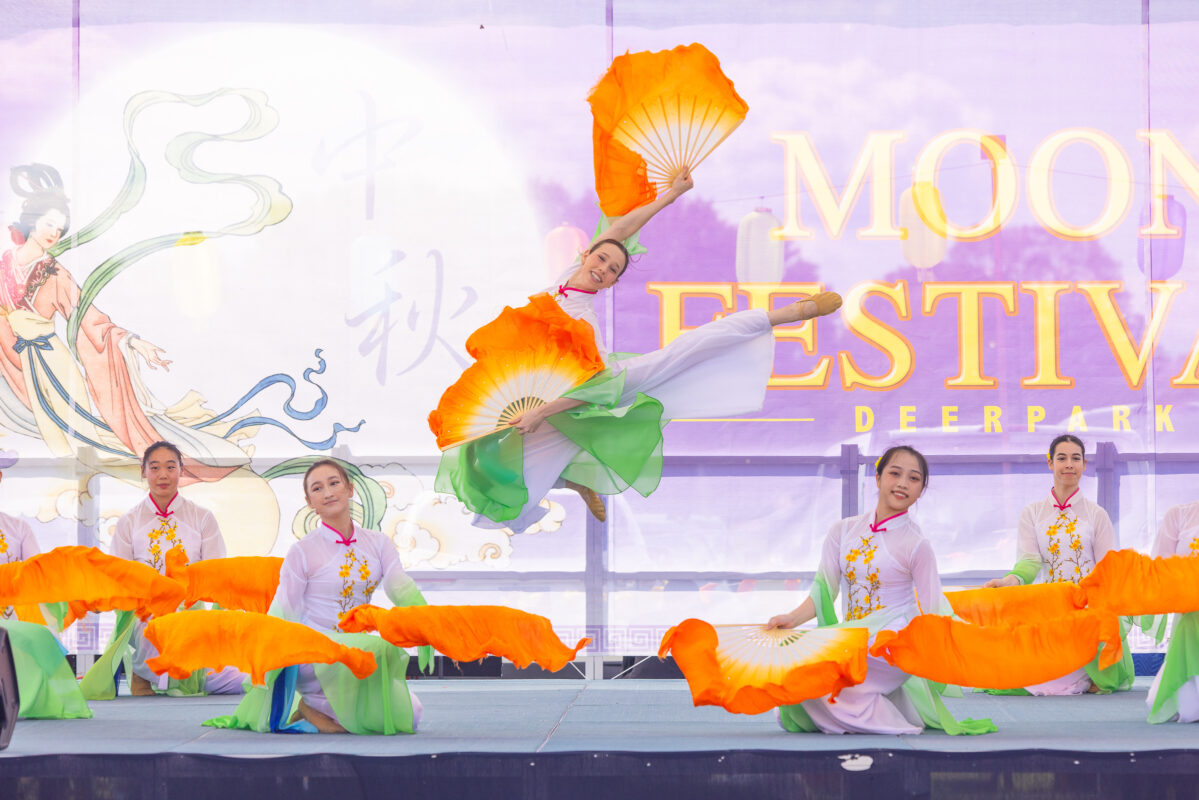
759 255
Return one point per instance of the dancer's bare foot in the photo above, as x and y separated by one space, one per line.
140 687
818 305
594 502
321 721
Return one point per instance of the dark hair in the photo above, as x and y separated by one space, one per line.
159 446
326 462
1067 437
619 245
41 187
886 457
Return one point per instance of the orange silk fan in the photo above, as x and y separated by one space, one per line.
89 580
1010 604
747 669
526 357
657 115
1131 583
244 583
468 633
254 643
1001 656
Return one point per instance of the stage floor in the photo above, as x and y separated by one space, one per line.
628 716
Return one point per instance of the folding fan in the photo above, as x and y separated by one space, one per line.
254 643
657 115
1001 656
88 580
468 633
244 583
747 669
752 654
527 357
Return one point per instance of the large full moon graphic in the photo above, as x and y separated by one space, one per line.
409 227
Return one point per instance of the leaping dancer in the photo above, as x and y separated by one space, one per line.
604 431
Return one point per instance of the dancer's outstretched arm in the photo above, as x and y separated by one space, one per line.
806 611
624 227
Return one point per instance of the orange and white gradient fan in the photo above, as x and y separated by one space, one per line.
747 669
525 358
657 115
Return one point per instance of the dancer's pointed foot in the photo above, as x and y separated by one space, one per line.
140 687
818 305
321 721
594 502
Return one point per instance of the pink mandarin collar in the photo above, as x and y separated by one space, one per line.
341 539
159 510
1061 505
563 289
878 527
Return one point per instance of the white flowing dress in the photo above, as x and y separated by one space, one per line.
1069 539
719 369
1179 536
145 534
886 576
322 578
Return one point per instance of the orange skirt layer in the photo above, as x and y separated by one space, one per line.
468 633
88 580
718 681
254 643
245 583
1004 656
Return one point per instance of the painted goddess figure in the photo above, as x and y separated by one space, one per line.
44 392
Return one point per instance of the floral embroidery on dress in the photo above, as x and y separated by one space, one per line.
861 576
1194 547
354 586
1066 563
167 533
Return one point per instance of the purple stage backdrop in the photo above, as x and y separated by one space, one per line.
340 193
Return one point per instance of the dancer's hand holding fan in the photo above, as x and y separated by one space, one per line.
748 669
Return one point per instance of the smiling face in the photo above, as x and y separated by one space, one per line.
161 471
328 493
900 484
602 266
48 229
1067 464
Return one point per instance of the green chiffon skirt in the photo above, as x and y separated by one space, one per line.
377 704
45 680
620 447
